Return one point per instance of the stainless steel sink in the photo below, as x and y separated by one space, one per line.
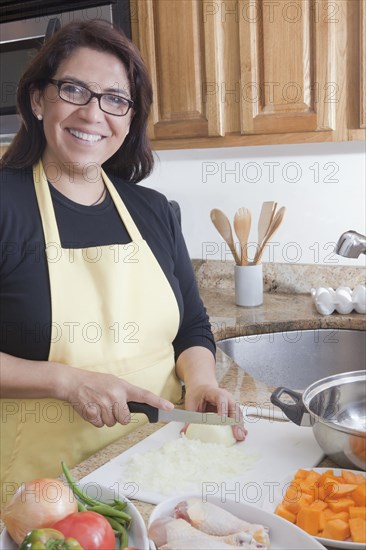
296 359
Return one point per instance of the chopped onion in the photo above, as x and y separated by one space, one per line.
37 504
183 465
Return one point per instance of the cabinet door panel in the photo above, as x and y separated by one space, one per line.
362 8
172 39
287 50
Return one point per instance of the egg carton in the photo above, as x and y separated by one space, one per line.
343 299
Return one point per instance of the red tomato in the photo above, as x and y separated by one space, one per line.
90 529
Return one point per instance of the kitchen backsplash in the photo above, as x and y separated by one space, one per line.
281 278
322 186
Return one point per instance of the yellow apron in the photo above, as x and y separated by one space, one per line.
113 311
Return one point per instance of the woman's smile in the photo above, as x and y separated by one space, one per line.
85 136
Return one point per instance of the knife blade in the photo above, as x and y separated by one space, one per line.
180 415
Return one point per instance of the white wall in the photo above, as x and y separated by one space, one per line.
322 186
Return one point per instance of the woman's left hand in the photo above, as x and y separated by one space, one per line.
211 398
196 367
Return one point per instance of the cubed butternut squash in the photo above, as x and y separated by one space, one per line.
324 475
328 474
357 512
352 477
359 494
340 505
319 505
336 529
285 513
310 520
313 477
340 490
301 474
308 486
293 491
358 529
295 505
327 505
329 514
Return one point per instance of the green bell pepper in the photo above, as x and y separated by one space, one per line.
48 539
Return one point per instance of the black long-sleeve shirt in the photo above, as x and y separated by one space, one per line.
25 303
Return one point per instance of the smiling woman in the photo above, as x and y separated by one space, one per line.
86 127
114 315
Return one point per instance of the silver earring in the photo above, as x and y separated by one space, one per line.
39 116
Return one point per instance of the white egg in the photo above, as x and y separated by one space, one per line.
345 288
324 301
343 300
359 298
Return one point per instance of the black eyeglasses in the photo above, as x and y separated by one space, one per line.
77 94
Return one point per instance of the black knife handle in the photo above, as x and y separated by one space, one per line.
151 412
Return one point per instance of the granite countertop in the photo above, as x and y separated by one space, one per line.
279 312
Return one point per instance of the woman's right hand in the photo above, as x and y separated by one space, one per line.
99 398
102 399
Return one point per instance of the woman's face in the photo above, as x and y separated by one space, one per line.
80 136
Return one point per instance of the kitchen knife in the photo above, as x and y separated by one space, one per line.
180 415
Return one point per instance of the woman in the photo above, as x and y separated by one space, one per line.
99 303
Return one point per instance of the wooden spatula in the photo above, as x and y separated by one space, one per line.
242 223
223 226
265 219
276 222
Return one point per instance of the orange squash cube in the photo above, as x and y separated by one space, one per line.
293 491
359 494
313 477
286 514
319 505
357 512
343 489
329 514
295 505
327 475
309 487
340 505
310 520
336 529
301 474
358 529
351 477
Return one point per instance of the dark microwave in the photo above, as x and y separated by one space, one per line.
24 26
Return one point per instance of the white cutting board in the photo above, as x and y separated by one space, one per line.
280 448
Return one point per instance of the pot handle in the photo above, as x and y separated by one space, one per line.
296 411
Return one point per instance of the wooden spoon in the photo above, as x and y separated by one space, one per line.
277 220
242 222
265 219
223 226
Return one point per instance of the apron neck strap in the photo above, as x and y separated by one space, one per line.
47 211
122 210
45 205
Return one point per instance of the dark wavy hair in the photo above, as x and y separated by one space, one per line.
134 160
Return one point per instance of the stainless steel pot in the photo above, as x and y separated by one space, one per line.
335 407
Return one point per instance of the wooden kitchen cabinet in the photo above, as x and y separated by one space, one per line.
253 72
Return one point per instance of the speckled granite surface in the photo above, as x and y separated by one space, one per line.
283 278
281 311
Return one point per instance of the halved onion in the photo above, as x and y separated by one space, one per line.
37 504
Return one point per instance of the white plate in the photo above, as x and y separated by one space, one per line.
282 534
275 496
137 534
279 447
